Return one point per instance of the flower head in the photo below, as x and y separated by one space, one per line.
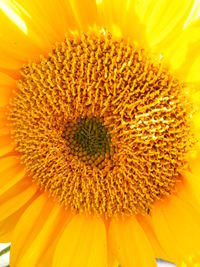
104 131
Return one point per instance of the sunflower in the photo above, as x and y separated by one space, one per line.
99 132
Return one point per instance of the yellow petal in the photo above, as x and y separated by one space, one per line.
193 68
182 53
6 144
190 188
149 231
37 31
172 30
8 224
119 17
85 12
164 20
28 226
7 84
35 36
194 165
46 258
17 196
129 243
42 29
165 236
176 224
112 260
48 226
11 172
3 117
83 243
18 21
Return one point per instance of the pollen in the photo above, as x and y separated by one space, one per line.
102 125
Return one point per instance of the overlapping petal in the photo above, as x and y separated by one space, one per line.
129 243
84 240
35 231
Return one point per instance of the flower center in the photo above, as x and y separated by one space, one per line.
102 126
89 141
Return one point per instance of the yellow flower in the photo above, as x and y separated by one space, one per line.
99 132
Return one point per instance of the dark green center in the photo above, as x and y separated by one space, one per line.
91 136
89 139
